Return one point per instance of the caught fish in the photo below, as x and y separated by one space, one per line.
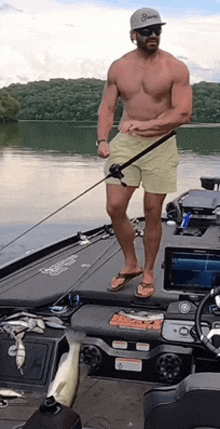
55 325
35 325
54 322
40 324
9 330
53 319
24 324
10 393
21 354
20 314
64 386
21 323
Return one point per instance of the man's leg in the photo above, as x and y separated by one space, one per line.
153 233
118 198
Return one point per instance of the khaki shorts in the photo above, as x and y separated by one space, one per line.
156 170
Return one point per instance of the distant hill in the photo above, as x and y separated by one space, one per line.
79 100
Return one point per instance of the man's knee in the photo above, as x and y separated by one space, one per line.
153 212
118 198
115 208
153 205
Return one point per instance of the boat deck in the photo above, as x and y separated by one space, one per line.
79 271
111 404
83 267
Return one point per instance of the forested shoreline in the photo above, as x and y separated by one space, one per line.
79 100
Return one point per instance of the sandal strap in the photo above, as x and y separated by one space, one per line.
128 276
147 285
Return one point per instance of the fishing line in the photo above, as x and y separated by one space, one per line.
52 214
47 259
115 171
79 279
7 289
91 270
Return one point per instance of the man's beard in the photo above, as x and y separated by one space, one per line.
144 46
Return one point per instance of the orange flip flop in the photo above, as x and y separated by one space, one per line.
145 286
126 277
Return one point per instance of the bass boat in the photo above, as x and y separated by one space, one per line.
76 355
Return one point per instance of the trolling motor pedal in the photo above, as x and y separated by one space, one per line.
115 171
53 415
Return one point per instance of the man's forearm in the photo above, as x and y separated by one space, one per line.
105 123
171 119
104 129
163 124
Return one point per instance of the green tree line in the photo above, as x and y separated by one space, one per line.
79 100
9 107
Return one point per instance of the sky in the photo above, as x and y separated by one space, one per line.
46 39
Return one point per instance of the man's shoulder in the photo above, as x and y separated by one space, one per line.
177 68
118 67
173 61
123 61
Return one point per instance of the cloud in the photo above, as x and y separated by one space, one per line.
195 40
6 6
50 40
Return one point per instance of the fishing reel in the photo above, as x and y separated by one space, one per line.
115 171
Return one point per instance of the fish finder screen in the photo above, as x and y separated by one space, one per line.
191 271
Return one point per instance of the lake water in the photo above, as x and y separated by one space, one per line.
44 165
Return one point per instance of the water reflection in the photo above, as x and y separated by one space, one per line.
204 140
74 138
45 165
11 135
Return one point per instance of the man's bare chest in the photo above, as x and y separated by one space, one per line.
154 82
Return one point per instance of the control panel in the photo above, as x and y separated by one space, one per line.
177 330
179 323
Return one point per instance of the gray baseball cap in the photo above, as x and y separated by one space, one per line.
145 17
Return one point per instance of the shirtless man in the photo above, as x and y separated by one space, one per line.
157 97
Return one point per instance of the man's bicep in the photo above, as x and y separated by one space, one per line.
182 91
111 95
111 92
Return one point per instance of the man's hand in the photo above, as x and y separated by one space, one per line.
104 149
130 127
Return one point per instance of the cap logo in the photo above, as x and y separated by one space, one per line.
145 17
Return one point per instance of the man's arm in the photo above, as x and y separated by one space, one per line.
180 112
107 110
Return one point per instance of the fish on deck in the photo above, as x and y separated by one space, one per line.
64 386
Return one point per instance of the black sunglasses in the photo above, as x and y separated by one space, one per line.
148 31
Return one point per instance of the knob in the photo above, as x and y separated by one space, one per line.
184 307
50 406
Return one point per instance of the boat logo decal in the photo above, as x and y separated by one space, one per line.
137 320
59 267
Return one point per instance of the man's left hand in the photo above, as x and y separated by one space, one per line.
130 127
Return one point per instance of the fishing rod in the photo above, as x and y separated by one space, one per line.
115 171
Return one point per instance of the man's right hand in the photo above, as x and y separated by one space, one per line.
104 149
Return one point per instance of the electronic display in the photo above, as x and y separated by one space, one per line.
191 271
